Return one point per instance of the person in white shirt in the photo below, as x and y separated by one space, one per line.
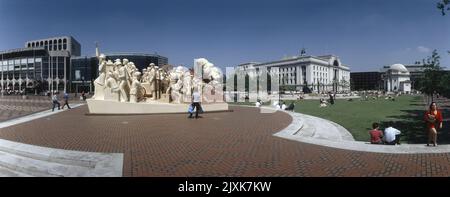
55 102
275 104
391 136
258 104
283 106
196 98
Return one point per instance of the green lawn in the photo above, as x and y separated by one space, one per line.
405 114
357 116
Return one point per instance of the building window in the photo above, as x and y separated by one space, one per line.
55 44
41 44
59 44
64 44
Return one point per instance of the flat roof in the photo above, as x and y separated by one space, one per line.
23 52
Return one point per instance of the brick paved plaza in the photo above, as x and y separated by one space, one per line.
238 143
14 106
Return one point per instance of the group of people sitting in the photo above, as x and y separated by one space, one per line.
278 105
390 136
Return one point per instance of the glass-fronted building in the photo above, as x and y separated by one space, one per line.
43 65
54 64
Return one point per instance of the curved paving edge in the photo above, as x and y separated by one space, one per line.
299 122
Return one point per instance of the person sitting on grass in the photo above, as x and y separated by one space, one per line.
283 106
258 103
322 103
391 136
290 107
375 134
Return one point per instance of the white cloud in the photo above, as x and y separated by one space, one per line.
423 49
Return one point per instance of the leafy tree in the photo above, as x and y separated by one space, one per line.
443 5
433 74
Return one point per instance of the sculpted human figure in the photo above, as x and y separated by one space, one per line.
187 87
173 78
109 66
99 83
135 90
164 81
144 78
124 84
151 78
117 64
112 88
175 91
111 82
157 83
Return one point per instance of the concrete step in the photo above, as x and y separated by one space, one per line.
307 130
18 159
5 172
34 167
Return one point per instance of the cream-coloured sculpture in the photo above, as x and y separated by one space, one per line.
112 88
121 88
99 83
136 88
124 83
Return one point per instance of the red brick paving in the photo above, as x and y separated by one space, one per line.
13 106
238 143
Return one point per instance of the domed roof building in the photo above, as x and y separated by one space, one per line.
398 68
397 79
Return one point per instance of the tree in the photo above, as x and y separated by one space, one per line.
443 5
431 82
345 84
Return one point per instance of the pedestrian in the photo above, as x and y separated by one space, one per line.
66 100
55 102
195 103
83 96
433 118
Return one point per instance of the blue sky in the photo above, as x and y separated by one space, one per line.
365 34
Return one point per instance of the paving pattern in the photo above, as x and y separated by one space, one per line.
238 143
14 106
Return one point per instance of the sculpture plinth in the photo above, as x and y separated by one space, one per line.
122 89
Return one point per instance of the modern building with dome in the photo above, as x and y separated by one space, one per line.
396 78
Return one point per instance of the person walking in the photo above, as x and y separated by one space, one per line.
196 103
433 118
83 96
55 102
66 100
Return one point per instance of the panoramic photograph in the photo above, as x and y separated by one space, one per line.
237 89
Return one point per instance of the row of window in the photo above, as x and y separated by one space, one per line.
51 45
